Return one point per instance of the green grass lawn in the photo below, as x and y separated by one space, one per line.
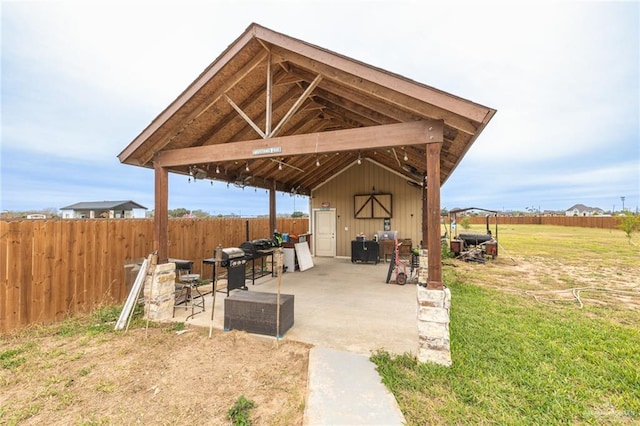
517 361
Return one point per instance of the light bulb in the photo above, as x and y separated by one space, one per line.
279 166
406 157
317 163
218 169
247 167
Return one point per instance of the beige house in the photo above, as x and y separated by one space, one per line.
278 113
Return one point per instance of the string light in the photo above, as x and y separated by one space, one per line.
246 167
279 166
359 159
217 169
406 157
317 162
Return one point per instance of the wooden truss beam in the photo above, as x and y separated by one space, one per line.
413 133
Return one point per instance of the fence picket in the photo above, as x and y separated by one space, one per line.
53 268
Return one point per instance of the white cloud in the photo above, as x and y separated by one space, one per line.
82 79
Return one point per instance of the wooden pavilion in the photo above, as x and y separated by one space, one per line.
270 107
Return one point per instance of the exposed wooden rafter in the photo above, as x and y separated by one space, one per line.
245 117
296 105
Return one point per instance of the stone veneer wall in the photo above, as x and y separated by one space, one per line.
433 319
159 292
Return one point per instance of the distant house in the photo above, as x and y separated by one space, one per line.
582 210
104 209
36 216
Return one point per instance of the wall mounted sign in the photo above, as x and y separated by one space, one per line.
267 151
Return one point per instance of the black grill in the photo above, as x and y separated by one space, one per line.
234 260
232 256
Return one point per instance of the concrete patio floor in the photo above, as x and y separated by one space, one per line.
337 305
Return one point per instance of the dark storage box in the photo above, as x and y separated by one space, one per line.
365 251
255 312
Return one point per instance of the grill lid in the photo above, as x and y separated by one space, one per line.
254 245
232 253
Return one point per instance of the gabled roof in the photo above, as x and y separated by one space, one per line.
583 208
104 205
312 91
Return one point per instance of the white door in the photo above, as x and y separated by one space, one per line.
324 233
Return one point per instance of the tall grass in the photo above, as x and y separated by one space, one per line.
516 362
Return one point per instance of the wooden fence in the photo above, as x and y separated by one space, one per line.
604 222
52 268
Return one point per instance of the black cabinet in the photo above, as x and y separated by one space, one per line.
365 251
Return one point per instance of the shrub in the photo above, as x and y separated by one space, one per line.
239 413
629 224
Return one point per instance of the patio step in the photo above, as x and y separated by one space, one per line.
344 388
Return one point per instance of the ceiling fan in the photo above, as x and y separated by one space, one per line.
241 182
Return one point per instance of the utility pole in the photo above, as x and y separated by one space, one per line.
622 198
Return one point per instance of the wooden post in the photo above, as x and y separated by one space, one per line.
279 265
425 208
433 216
272 210
216 268
161 214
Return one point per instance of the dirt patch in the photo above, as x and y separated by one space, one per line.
550 280
163 378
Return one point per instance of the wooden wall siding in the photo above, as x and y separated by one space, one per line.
52 268
603 222
360 179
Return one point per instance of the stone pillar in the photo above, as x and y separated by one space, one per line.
433 319
159 292
423 269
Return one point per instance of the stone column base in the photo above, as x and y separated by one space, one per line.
159 292
433 325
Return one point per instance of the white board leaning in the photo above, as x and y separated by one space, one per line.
304 256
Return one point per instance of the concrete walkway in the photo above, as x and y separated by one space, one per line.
345 389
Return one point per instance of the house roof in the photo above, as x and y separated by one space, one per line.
582 208
104 205
311 91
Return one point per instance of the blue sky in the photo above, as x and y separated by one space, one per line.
81 79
